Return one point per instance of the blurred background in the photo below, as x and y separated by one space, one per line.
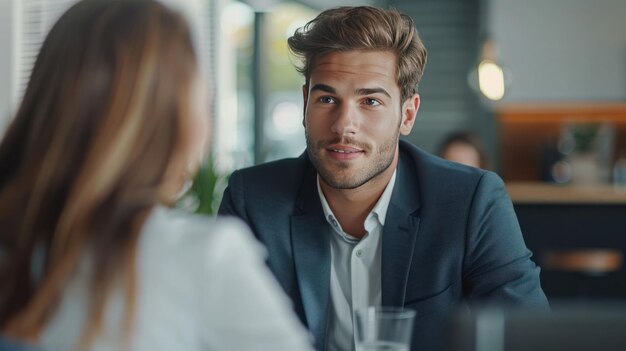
542 84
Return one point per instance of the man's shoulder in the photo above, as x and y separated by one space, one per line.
265 192
276 178
438 179
428 165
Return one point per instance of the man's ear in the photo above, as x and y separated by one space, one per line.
409 113
305 98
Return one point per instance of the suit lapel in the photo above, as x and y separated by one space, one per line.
399 235
311 248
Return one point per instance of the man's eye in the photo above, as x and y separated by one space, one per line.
327 100
372 102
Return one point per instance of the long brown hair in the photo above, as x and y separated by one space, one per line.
88 156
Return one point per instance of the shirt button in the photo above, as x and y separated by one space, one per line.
334 222
359 253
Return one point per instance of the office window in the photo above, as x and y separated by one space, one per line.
24 24
234 122
282 121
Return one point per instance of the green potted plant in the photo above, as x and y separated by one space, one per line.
583 158
205 193
584 135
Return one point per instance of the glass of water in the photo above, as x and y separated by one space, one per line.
378 328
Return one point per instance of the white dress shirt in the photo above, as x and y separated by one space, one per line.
355 280
202 285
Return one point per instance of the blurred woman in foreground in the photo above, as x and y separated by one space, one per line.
113 121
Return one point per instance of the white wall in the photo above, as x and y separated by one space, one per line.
562 49
6 43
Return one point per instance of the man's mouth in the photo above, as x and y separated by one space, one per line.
345 151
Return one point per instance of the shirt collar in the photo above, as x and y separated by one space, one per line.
379 211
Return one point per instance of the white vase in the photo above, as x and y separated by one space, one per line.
584 168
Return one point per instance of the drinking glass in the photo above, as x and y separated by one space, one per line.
378 328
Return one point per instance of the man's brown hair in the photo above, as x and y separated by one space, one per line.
363 28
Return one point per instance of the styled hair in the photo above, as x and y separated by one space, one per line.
87 156
363 28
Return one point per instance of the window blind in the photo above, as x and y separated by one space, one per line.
32 21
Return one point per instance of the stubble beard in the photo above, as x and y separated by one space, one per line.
382 160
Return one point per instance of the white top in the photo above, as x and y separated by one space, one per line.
355 280
202 285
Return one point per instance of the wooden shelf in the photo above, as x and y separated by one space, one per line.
525 130
545 193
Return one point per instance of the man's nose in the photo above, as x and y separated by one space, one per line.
346 120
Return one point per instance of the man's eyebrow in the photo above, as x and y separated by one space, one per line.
324 87
361 91
369 91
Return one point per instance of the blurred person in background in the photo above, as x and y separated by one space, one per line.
113 122
465 148
363 218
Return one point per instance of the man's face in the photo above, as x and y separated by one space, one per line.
354 116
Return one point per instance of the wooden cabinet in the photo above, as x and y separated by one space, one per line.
525 130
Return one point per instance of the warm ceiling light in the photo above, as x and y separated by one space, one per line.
491 80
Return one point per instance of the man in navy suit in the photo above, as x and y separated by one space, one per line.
362 218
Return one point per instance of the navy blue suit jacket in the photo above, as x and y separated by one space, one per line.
450 236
